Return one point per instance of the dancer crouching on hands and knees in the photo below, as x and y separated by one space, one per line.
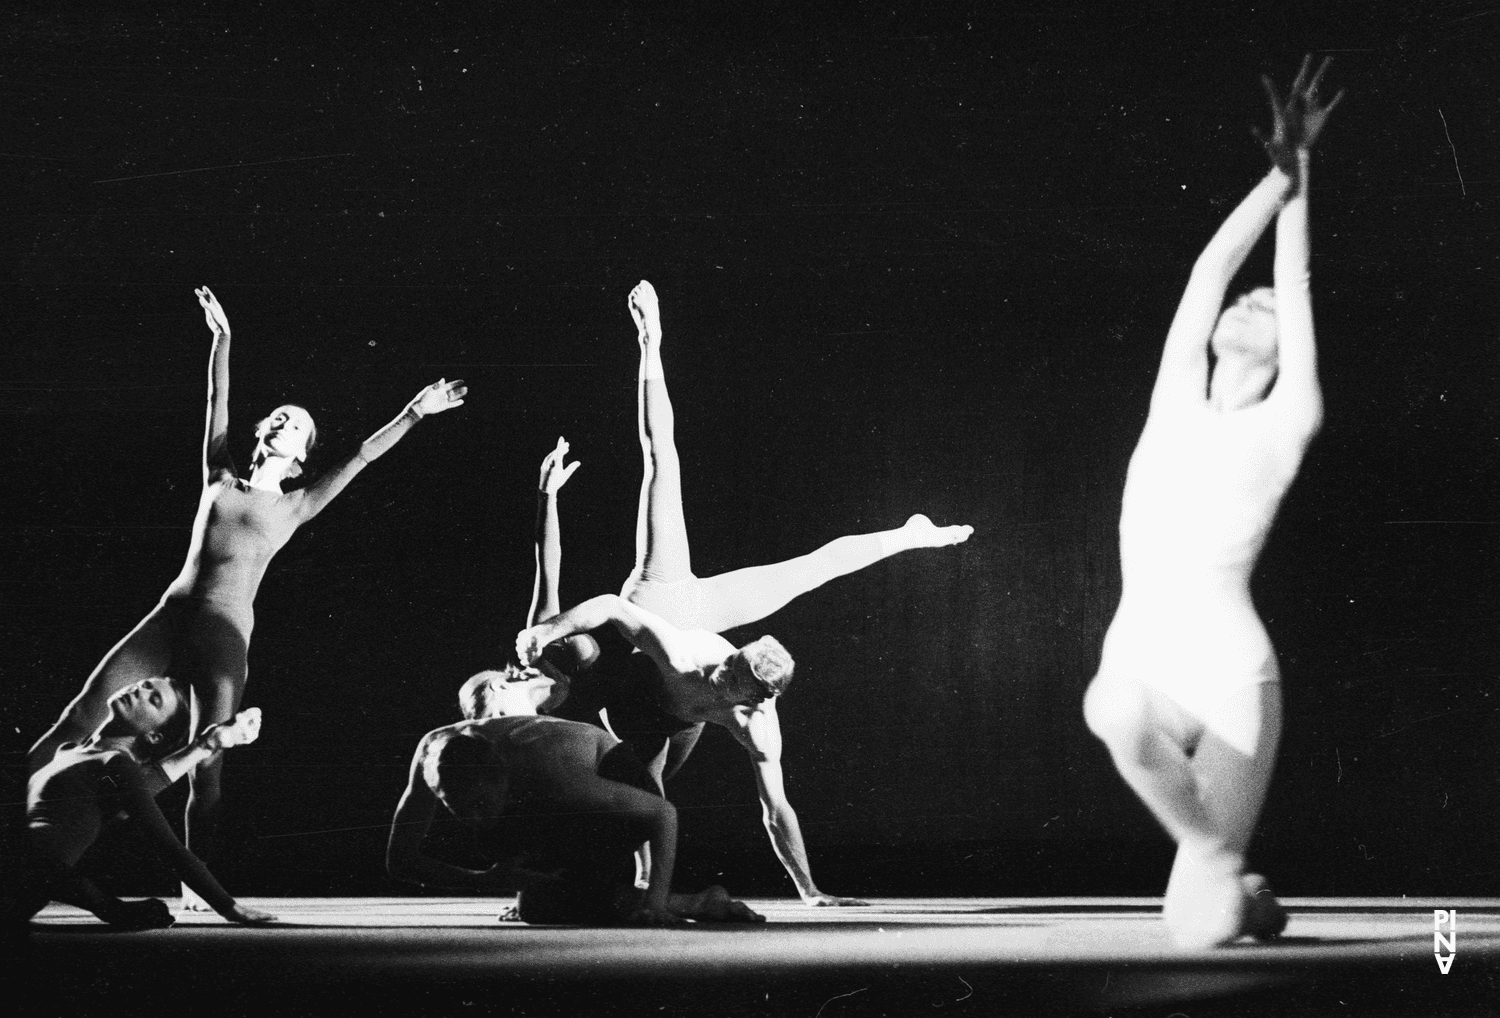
117 772
564 804
1188 695
200 632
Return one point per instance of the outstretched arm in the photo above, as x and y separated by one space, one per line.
437 397
1298 124
1183 375
1296 390
404 858
141 805
216 459
545 603
544 596
758 729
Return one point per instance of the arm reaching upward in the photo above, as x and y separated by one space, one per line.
1296 390
580 650
1298 124
1183 375
437 397
216 459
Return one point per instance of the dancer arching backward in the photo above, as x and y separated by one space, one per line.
661 711
117 772
563 806
200 632
1188 697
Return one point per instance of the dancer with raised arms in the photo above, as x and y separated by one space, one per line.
1188 695
685 674
200 631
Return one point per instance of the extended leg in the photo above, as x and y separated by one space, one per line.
216 698
661 541
743 596
144 653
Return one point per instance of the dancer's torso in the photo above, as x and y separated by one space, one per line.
69 801
1200 497
237 531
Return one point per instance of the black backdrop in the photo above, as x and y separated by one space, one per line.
918 258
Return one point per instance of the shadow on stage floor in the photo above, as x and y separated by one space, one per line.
442 956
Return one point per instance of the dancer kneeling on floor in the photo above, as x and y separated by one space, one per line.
563 804
117 772
1188 695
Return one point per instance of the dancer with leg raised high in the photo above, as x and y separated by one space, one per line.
200 631
1188 696
686 674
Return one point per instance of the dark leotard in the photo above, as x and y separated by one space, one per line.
590 853
627 685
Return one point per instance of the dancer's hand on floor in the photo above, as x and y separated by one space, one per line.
821 900
244 915
554 474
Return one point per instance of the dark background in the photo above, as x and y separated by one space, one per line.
911 258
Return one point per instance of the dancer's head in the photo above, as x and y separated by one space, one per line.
154 712
506 692
1244 347
468 775
288 431
758 671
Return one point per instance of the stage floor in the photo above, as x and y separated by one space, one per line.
978 955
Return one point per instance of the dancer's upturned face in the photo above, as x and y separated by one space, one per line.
1244 343
287 431
145 706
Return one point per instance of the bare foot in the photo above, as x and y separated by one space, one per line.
1206 905
714 904
1265 918
646 312
192 904
923 533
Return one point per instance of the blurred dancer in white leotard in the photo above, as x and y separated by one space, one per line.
1188 698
